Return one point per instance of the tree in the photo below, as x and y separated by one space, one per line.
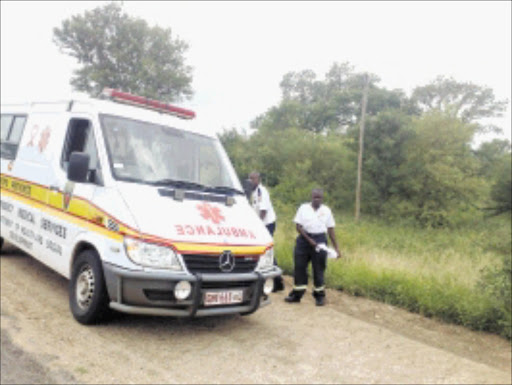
386 136
332 104
293 161
501 190
121 52
289 113
439 179
466 101
237 146
490 154
299 86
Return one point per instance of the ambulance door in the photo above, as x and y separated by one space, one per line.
73 199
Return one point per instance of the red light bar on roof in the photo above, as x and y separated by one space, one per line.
140 101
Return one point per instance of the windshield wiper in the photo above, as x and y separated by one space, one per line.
130 179
225 189
196 186
179 184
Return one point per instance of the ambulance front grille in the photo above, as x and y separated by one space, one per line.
210 264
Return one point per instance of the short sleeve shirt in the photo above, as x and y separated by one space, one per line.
314 221
260 200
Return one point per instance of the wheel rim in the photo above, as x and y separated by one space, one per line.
85 287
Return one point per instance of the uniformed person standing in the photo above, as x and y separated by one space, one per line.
260 201
313 220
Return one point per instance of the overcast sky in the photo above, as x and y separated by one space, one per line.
240 50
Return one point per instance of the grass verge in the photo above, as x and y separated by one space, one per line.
440 273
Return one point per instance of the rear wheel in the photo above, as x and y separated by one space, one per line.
1 245
88 297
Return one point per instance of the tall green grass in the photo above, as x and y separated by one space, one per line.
456 275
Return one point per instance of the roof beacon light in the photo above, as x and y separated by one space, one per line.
140 101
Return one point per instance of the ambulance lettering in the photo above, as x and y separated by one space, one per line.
228 232
214 214
26 215
53 228
6 221
20 240
4 182
21 188
53 247
30 234
6 206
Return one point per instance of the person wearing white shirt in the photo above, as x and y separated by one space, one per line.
260 201
313 221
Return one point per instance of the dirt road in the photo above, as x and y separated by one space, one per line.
350 340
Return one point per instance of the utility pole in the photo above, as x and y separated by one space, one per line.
360 156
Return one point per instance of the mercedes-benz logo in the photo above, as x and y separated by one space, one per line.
226 261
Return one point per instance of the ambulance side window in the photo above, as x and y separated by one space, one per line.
80 137
10 134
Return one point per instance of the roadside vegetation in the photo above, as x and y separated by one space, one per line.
459 275
435 231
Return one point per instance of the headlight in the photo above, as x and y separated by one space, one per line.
182 290
266 261
151 255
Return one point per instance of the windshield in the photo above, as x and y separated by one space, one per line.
151 153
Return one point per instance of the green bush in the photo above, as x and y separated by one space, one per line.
497 283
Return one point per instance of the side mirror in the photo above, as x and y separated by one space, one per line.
78 167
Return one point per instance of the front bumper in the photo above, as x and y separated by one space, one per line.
152 293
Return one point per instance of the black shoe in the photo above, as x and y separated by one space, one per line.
292 299
320 301
278 286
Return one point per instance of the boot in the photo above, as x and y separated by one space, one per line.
278 284
292 297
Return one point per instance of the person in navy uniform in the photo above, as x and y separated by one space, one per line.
313 220
260 201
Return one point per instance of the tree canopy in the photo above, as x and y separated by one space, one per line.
118 51
418 163
464 100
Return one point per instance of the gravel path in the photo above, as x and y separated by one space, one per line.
350 340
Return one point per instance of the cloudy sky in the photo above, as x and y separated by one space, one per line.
241 50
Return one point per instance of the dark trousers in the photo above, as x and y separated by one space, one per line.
271 227
302 255
278 281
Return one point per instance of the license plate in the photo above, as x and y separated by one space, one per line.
212 298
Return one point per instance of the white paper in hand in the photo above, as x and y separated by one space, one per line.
331 253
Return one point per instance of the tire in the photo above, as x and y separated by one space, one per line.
1 245
88 297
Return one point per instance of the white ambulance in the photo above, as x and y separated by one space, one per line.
139 211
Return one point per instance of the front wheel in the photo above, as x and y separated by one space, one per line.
88 298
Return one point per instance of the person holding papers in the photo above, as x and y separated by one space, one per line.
313 221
